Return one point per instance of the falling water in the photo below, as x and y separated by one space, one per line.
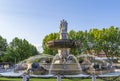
61 66
78 64
52 65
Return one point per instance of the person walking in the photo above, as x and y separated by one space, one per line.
28 77
25 77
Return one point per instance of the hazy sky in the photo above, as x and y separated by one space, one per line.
34 19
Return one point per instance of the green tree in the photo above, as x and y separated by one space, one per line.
106 39
3 46
50 37
111 42
19 50
93 40
72 35
77 36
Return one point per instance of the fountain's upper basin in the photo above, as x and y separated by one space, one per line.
63 43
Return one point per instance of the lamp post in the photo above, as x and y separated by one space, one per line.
59 77
93 52
93 75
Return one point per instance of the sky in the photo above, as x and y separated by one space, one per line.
34 19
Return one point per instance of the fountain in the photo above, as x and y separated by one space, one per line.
64 63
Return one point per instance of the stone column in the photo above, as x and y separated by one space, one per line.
59 78
93 78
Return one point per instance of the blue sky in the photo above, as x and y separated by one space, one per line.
34 19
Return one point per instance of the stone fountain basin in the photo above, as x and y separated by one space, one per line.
72 69
65 69
63 43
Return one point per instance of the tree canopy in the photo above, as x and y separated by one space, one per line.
3 46
50 37
106 39
18 50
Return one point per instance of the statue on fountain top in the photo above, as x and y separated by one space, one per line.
63 26
63 29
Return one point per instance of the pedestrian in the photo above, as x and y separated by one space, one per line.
28 77
25 77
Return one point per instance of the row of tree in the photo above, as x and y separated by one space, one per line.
16 51
106 39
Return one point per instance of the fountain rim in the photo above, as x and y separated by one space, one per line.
63 43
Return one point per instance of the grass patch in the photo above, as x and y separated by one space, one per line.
45 79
